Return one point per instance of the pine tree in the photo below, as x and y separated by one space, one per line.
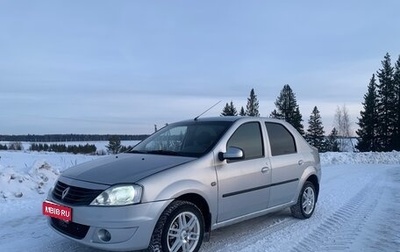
114 145
297 119
369 120
386 104
242 112
396 81
229 110
332 143
315 132
288 110
252 104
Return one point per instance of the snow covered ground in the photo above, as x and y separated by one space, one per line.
358 208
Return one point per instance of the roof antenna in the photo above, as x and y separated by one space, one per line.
197 117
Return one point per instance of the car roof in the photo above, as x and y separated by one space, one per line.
231 119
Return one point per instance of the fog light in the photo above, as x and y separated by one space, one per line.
104 235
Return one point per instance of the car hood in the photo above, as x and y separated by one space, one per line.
123 168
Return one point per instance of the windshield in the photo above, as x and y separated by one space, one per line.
191 138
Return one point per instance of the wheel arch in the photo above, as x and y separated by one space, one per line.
314 180
202 204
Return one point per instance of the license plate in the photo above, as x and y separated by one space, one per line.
57 211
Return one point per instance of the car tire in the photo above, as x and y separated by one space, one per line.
306 201
179 228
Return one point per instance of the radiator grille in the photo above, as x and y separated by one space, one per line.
76 195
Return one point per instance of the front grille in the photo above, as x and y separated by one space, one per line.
76 196
72 229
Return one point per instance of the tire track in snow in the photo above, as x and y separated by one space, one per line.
383 233
345 225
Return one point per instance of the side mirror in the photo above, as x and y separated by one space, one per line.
233 153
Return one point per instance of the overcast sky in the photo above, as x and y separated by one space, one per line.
122 66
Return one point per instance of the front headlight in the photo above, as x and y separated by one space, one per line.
119 195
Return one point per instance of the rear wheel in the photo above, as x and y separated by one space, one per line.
305 205
180 228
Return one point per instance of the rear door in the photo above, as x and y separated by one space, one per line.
243 185
286 163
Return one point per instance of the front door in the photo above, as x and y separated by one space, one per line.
243 185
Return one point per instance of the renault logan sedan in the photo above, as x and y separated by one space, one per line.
191 177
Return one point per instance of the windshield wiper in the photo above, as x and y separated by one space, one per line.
163 152
136 151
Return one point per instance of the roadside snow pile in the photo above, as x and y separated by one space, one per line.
18 184
336 158
30 174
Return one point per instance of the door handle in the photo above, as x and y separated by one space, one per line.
301 162
265 169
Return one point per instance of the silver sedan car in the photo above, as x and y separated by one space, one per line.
172 189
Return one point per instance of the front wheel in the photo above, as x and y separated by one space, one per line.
305 205
179 229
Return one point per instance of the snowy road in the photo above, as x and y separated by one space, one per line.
358 210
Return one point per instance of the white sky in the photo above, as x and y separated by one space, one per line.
122 66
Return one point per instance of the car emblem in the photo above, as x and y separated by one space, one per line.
64 193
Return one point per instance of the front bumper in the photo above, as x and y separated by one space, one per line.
115 228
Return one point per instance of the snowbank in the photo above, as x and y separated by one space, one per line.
335 158
30 174
17 184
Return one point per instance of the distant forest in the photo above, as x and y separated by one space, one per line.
68 138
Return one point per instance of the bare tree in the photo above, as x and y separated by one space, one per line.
343 125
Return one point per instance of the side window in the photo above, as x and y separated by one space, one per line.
248 137
281 140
